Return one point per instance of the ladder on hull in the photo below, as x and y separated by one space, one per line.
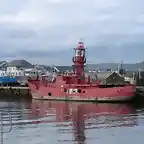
5 117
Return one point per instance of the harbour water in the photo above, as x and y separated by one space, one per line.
39 122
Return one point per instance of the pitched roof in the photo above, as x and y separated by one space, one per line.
19 63
3 63
104 75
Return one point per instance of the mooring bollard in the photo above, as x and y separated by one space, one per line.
1 124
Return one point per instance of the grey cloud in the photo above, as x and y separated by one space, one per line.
56 28
12 6
21 33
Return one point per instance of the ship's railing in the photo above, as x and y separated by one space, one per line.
52 73
5 117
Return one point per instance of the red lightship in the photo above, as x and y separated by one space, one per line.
77 86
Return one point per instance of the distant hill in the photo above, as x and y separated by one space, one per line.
64 68
129 67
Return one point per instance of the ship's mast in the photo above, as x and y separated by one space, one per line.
79 59
121 70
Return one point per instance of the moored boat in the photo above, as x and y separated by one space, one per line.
6 80
78 86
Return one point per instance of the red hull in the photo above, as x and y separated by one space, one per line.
87 93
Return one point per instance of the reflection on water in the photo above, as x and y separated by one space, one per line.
43 122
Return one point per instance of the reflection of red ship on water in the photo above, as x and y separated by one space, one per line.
79 117
77 86
64 110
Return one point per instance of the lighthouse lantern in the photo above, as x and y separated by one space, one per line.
79 59
79 52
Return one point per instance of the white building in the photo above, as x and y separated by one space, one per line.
14 71
17 67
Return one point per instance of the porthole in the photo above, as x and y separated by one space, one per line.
49 94
79 90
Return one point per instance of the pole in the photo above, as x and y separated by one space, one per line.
1 129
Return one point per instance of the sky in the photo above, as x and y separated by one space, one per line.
46 31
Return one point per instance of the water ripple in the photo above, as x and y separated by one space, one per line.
68 123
